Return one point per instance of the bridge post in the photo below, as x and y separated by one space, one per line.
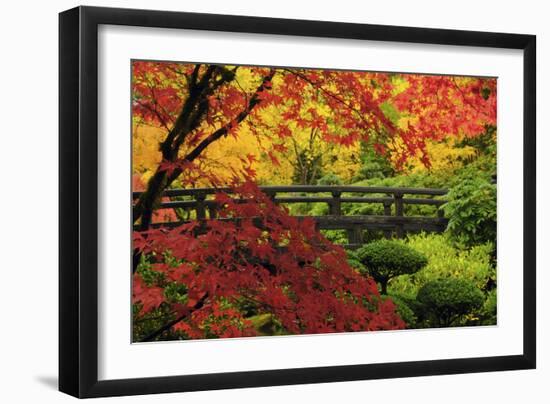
213 211
200 206
398 199
387 212
336 204
271 195
441 216
355 235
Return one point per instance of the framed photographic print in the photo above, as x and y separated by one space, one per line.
251 201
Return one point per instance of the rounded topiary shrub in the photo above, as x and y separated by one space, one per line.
386 259
447 300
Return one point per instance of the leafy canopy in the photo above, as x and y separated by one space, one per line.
273 108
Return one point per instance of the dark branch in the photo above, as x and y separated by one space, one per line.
172 323
359 114
254 100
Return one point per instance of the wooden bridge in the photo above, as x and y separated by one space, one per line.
394 203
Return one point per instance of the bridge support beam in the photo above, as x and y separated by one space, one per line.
355 235
398 199
336 204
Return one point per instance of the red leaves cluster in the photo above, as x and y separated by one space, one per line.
257 259
447 105
443 106
157 91
150 297
439 106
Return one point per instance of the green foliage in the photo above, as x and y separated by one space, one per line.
405 310
319 209
447 300
143 325
373 164
472 211
386 259
424 179
414 180
267 324
355 262
330 179
466 251
488 313
336 236
445 261
307 208
390 111
176 293
144 269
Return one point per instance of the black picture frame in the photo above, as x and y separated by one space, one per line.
78 201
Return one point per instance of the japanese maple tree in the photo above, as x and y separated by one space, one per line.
253 260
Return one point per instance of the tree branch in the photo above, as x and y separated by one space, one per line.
167 326
333 96
254 100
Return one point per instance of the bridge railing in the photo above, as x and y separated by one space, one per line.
393 200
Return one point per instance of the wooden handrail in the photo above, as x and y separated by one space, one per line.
305 199
274 189
338 195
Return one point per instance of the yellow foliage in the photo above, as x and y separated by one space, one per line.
223 157
443 155
145 150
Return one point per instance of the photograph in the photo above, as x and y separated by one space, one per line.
277 201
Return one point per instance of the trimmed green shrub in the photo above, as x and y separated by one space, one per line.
386 259
445 261
447 300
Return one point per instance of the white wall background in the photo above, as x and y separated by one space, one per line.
28 175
